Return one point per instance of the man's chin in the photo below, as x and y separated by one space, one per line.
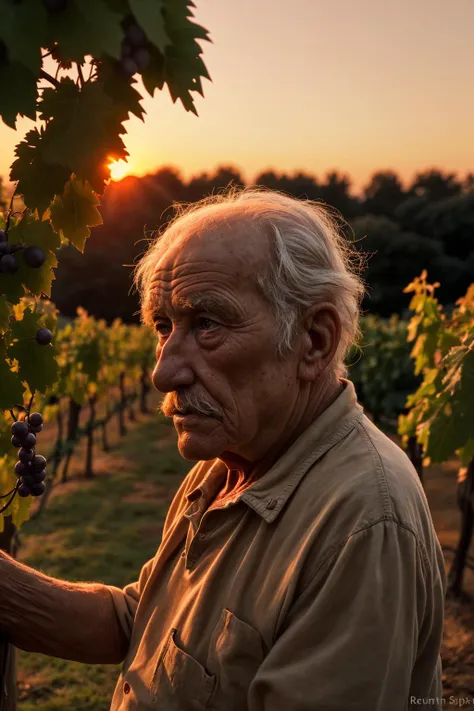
197 448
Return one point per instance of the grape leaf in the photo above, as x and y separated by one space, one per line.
85 27
32 231
84 135
23 30
38 281
37 364
75 211
119 87
37 182
11 389
148 14
18 91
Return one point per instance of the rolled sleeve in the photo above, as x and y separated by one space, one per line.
350 639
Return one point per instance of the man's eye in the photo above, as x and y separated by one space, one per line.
204 322
161 328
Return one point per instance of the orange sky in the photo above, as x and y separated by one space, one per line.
356 85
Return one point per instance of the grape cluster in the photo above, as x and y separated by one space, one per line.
30 467
33 257
135 54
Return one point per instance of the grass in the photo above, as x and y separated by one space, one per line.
100 530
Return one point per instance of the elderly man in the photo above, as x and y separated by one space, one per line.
299 569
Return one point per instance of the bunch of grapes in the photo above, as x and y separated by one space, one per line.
34 257
135 54
30 467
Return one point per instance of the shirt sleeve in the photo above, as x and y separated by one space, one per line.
351 638
126 600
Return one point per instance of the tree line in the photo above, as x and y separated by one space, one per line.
401 230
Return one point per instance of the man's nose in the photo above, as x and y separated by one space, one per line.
172 369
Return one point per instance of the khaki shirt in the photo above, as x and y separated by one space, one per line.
320 587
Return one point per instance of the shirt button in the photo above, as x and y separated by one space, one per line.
126 688
271 503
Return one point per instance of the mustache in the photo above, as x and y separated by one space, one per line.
189 403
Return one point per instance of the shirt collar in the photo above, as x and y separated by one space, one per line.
269 494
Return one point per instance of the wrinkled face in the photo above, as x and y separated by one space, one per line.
216 352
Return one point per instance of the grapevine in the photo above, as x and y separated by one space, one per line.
72 65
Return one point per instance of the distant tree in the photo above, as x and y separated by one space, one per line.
450 222
468 183
434 184
383 194
205 184
395 256
335 191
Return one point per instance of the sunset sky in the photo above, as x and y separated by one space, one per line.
356 85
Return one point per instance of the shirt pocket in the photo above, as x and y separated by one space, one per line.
180 683
236 652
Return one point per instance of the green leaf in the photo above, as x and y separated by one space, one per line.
37 181
23 30
85 27
119 87
75 211
37 364
18 91
84 134
32 231
149 14
11 389
38 281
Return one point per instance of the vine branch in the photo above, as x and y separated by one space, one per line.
48 77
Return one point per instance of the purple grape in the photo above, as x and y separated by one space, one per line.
126 48
44 337
39 476
25 455
37 429
28 480
20 429
39 463
34 257
23 491
16 441
136 35
20 469
128 66
8 264
142 58
35 419
5 248
38 489
3 236
29 441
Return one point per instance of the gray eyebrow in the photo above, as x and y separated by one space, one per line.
206 301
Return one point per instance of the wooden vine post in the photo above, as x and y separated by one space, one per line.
82 86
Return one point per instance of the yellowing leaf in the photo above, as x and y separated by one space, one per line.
75 211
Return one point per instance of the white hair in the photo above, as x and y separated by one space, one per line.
311 260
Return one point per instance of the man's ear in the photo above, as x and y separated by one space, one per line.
321 337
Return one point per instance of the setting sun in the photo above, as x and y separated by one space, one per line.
118 169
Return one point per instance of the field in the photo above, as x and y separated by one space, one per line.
106 528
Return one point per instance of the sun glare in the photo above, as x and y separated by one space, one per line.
118 169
